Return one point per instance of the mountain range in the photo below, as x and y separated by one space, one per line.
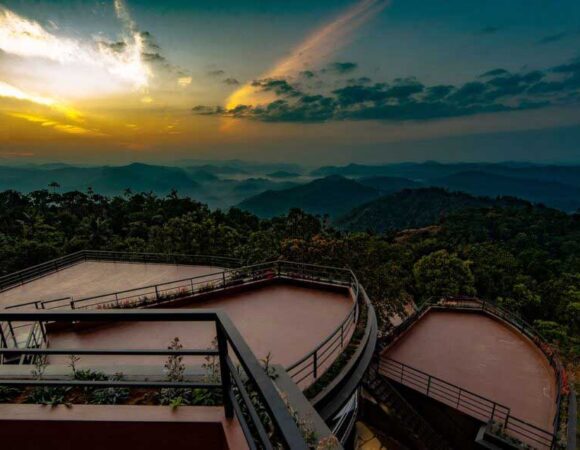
269 189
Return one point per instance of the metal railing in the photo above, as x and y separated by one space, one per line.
514 426
314 364
469 303
31 273
246 388
461 399
467 402
304 371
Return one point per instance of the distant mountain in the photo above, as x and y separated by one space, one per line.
144 178
107 180
332 195
414 208
283 174
388 185
555 186
551 193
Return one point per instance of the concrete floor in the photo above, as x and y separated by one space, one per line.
286 321
485 356
98 277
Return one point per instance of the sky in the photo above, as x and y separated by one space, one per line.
324 82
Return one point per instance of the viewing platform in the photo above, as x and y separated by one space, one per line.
118 313
481 361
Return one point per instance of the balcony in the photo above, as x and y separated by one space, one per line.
482 361
314 325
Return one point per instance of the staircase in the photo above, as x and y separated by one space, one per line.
411 420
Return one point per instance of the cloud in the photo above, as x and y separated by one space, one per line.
307 74
216 73
184 81
493 73
56 125
342 67
552 38
317 48
9 91
121 58
406 99
231 82
279 87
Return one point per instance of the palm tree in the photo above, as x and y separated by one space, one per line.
54 185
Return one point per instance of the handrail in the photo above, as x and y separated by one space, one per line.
23 276
525 328
515 425
308 368
474 404
244 407
468 402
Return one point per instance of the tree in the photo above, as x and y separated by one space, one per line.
54 185
442 274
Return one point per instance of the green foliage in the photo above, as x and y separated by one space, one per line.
175 372
524 257
442 274
8 393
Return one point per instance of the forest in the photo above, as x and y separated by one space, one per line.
523 257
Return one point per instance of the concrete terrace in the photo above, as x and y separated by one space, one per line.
483 355
284 320
89 278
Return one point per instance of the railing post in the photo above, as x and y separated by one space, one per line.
315 364
156 293
13 334
224 278
493 410
3 341
428 385
224 369
402 372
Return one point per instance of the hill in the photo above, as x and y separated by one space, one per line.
414 208
388 185
551 193
333 195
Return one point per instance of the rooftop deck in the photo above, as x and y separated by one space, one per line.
284 320
485 356
88 278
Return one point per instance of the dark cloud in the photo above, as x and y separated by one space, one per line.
552 38
216 73
439 92
408 99
116 47
494 73
360 80
307 74
278 86
231 81
490 30
153 57
207 110
341 67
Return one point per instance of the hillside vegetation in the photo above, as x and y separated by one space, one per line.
333 195
414 208
523 257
